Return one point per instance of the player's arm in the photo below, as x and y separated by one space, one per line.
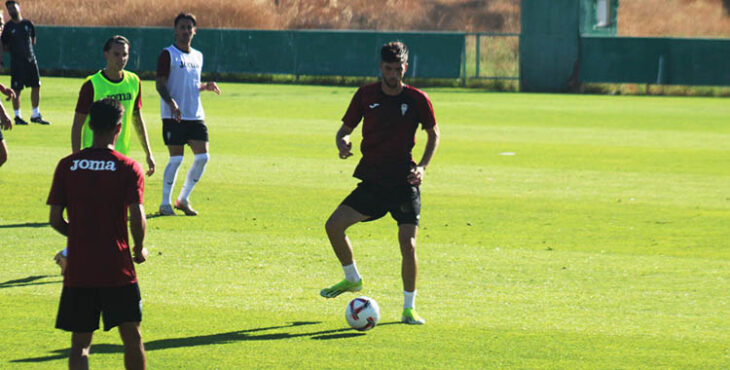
161 86
5 122
432 142
342 139
161 78
83 104
137 227
76 127
141 129
57 221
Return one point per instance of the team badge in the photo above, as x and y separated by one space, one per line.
403 109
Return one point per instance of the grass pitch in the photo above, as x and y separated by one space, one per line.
558 231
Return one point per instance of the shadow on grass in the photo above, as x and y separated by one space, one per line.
30 280
206 340
27 224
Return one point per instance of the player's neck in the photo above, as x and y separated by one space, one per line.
184 47
113 74
392 91
103 143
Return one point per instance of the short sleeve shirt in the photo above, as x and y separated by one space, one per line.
388 131
19 38
96 186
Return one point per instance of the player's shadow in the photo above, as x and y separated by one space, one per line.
26 224
212 339
30 280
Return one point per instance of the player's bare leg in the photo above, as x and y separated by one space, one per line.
35 97
16 107
134 353
80 348
35 101
341 219
409 272
200 160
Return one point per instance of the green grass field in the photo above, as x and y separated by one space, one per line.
602 242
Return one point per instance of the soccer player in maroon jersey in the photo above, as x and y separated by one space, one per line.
392 112
97 186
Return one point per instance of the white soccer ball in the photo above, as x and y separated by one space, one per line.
362 313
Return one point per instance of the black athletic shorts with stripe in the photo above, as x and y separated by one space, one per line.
402 202
80 308
179 133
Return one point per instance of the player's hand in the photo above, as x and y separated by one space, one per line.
176 113
345 148
9 93
212 86
6 123
150 165
140 254
416 175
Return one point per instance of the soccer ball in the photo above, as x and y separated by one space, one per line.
362 313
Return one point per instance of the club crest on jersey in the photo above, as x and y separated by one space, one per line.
403 109
91 165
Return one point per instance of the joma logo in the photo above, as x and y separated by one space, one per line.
85 164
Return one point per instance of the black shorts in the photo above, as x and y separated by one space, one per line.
179 133
24 73
403 202
80 308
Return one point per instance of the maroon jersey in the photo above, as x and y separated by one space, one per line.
96 186
388 131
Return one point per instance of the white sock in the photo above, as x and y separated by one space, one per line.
194 174
36 112
17 113
351 273
168 180
409 299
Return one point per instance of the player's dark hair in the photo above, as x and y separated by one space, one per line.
189 16
116 39
394 51
104 115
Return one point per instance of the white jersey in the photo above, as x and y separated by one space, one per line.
183 83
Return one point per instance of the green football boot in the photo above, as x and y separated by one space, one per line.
341 287
411 317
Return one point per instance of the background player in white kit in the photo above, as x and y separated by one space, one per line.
178 82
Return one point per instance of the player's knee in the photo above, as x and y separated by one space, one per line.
202 159
131 335
334 224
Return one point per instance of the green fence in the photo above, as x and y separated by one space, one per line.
669 61
339 53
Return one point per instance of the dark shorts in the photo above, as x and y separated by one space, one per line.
24 73
403 202
179 133
80 308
